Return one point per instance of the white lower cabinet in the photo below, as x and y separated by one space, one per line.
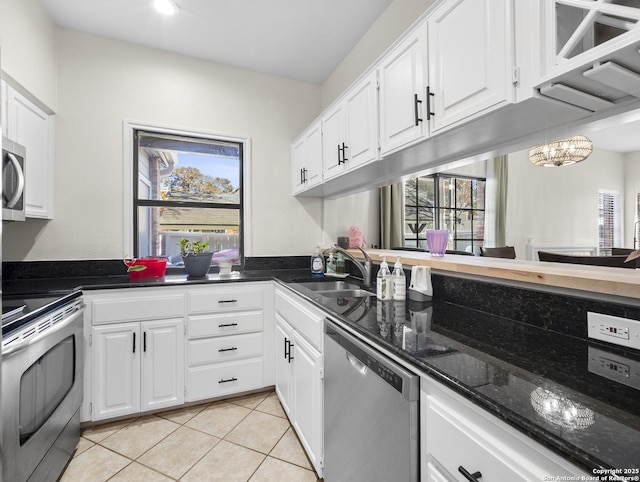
458 436
226 340
137 367
299 371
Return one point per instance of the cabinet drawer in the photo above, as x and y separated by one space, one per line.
224 348
137 308
239 297
228 324
224 379
302 317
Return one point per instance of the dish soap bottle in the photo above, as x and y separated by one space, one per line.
331 265
383 282
317 264
399 282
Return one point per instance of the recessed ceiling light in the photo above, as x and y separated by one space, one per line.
166 7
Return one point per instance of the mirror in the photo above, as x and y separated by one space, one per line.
557 209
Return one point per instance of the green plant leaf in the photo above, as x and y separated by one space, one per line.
136 267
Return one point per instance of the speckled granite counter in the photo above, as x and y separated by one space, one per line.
553 387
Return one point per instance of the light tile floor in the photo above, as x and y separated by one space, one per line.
239 439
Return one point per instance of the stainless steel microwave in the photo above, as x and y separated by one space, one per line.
13 180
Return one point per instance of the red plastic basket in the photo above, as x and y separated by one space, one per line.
154 268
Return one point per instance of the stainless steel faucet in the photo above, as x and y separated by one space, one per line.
364 267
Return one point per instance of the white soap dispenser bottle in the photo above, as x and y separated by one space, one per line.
399 282
383 282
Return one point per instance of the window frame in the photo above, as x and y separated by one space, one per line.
437 208
130 243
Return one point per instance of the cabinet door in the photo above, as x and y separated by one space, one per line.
307 399
313 158
361 123
162 364
402 93
29 125
333 140
298 150
469 59
116 370
283 337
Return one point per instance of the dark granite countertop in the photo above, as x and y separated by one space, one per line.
516 371
561 390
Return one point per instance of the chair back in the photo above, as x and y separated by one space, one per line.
508 252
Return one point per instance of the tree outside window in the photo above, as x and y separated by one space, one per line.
187 187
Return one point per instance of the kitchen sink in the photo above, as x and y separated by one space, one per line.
333 285
357 293
336 289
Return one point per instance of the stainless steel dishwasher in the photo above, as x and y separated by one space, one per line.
371 413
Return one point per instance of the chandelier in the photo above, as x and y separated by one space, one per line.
561 153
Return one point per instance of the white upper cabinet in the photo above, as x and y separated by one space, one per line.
306 154
31 126
470 59
402 75
350 129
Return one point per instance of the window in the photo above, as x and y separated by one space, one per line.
445 202
187 187
609 221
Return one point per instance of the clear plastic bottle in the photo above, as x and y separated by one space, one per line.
383 282
340 264
331 264
399 282
317 263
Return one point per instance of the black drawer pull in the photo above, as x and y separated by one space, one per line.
227 301
416 103
470 477
224 325
134 343
227 349
234 379
430 94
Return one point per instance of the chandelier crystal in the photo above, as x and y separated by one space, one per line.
561 153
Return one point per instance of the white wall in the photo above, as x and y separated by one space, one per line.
28 43
103 83
559 206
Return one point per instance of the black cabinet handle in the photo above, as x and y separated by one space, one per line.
340 151
416 101
289 357
144 341
286 343
234 379
429 95
305 174
221 302
301 176
227 349
470 477
224 325
134 342
344 153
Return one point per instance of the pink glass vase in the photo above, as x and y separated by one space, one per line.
437 240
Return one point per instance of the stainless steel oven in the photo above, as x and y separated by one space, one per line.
42 385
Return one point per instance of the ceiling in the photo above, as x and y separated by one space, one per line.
298 39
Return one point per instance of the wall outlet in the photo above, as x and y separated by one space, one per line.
614 367
613 329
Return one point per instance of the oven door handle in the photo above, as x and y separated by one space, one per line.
60 326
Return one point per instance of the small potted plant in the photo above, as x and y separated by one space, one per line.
196 260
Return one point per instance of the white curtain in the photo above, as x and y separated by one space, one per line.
495 219
392 216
